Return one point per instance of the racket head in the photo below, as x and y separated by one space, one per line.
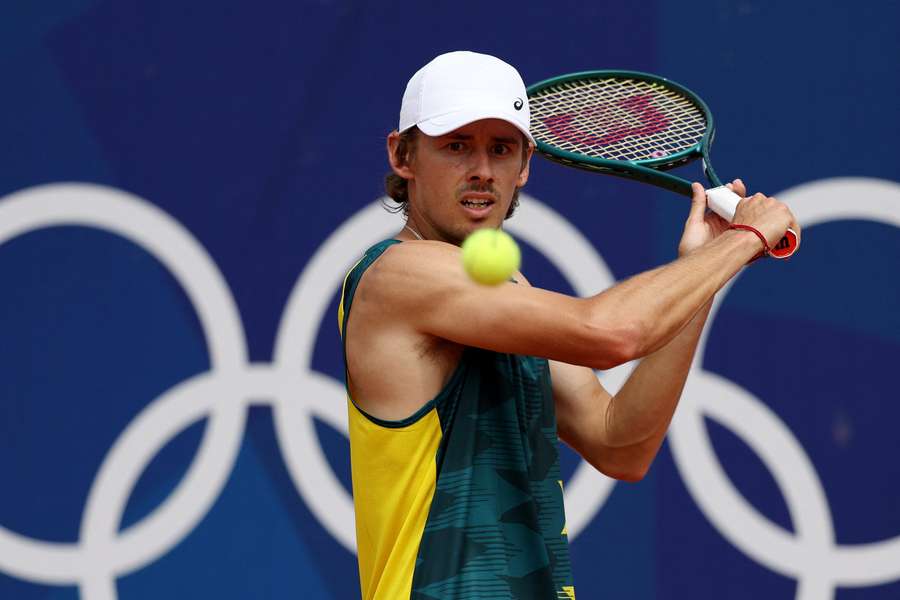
626 123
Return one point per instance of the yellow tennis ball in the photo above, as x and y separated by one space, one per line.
490 256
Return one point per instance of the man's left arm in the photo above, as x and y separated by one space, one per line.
620 435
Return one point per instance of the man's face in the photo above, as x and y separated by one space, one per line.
465 180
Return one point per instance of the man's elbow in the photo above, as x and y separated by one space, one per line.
632 476
624 468
618 344
629 474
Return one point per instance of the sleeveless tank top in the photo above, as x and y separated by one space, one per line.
463 499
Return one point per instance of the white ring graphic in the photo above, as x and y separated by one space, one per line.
297 394
811 555
93 562
538 225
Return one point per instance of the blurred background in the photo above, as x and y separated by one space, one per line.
183 186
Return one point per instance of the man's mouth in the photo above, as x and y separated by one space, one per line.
477 200
477 203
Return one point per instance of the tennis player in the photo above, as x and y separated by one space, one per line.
458 392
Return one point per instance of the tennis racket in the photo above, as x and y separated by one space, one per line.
632 125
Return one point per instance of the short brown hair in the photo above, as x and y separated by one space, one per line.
397 188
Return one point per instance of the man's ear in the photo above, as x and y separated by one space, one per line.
523 175
400 168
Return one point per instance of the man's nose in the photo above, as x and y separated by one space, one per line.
481 168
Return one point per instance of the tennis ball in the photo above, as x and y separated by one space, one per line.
490 256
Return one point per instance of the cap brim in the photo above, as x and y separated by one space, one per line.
452 121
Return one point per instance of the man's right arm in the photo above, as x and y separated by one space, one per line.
422 285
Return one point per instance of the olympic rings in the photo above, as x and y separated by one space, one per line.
297 395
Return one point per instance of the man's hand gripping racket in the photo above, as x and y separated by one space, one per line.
632 125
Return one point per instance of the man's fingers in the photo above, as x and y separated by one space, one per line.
768 215
738 187
698 203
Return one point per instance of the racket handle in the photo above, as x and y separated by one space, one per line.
723 202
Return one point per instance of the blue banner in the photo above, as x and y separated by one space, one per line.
183 187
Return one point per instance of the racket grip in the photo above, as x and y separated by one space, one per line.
723 202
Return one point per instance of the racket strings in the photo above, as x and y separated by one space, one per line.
616 119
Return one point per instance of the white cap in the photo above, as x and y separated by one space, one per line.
458 88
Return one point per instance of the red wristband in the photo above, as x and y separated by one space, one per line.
761 237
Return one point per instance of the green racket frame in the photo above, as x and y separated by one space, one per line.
647 171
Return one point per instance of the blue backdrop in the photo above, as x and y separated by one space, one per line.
170 401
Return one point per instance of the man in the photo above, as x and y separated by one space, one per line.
453 417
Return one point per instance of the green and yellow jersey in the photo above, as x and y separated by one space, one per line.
463 499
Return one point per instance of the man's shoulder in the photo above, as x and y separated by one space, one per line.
405 263
372 254
406 282
416 249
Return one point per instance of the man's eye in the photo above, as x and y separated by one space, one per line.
455 146
501 149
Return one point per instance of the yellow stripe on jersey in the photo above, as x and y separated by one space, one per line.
394 474
340 314
567 593
393 470
565 529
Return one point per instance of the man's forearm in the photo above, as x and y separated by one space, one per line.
639 414
659 303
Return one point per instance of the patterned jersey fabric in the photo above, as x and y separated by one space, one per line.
463 499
